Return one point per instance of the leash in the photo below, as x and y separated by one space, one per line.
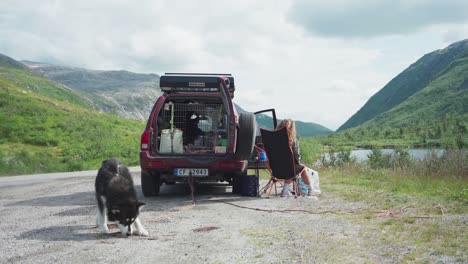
192 187
392 214
282 211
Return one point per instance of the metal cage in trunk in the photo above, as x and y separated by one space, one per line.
192 127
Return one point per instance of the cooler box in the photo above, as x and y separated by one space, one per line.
249 185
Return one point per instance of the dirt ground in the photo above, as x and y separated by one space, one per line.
54 221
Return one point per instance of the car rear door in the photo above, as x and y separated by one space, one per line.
266 119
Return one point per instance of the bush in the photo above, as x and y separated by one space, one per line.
399 159
378 159
338 158
452 164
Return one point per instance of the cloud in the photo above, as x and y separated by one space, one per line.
373 18
309 77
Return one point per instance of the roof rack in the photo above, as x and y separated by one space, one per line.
195 82
188 73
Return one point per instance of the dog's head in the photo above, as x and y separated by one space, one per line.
126 213
112 165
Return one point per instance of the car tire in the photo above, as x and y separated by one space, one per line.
245 136
150 183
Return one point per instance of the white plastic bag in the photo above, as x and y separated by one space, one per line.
315 182
177 142
171 141
166 141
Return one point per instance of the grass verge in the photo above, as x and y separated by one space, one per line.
411 218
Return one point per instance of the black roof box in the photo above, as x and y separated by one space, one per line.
171 81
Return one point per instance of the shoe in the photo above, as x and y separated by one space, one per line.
310 193
285 191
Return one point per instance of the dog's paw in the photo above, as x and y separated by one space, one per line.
142 232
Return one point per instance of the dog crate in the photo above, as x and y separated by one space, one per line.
192 127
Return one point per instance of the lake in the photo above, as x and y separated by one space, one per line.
419 154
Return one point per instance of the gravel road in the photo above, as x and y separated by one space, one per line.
54 221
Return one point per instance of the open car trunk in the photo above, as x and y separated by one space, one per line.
191 126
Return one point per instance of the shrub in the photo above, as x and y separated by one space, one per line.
338 158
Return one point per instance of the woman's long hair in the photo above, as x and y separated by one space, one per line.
291 127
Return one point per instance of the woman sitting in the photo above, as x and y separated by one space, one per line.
300 168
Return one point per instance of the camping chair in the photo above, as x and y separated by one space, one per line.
280 159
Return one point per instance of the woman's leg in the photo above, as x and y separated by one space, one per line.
305 177
285 191
307 180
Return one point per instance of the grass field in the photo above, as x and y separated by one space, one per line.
45 127
416 208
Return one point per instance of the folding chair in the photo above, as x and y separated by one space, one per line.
280 159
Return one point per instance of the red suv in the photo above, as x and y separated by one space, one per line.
194 130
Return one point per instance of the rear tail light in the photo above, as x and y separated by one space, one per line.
145 140
155 164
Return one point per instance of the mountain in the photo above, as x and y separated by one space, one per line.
304 129
130 94
435 115
123 93
48 127
16 77
446 95
309 129
6 61
412 80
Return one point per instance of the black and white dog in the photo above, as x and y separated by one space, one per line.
117 199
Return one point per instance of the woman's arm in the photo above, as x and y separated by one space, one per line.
297 151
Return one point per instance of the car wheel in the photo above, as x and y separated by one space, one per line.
150 183
245 136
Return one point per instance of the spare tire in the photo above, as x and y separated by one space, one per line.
245 136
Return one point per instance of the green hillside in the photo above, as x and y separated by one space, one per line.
410 81
46 127
436 115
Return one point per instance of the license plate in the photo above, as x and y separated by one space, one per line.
196 172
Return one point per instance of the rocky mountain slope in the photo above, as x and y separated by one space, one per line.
123 93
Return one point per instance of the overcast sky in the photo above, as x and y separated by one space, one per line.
314 61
